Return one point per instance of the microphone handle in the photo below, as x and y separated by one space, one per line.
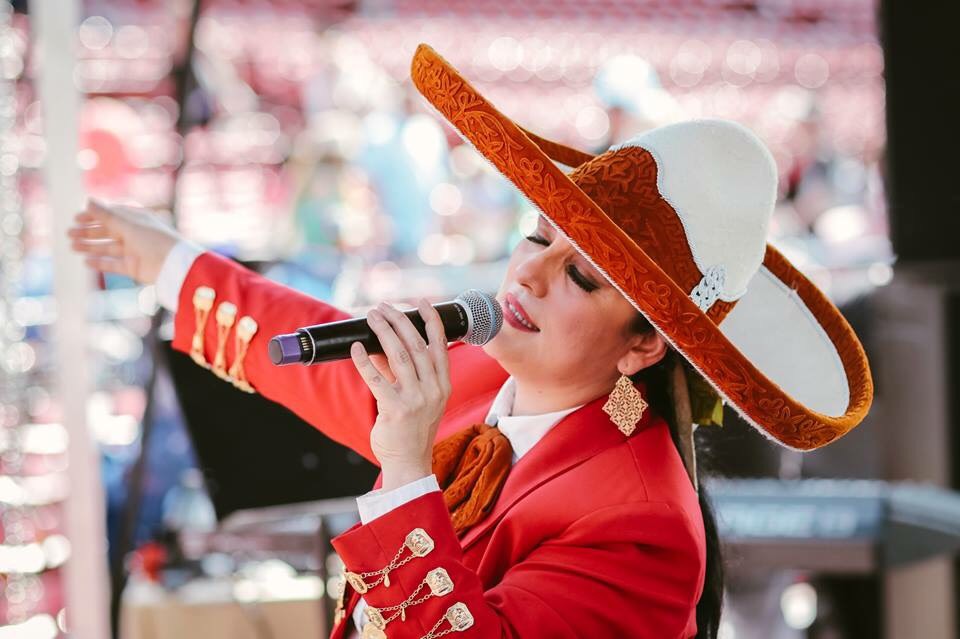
332 341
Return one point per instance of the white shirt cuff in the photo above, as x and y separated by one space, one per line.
173 273
377 503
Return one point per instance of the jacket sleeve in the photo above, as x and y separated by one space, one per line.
632 570
330 396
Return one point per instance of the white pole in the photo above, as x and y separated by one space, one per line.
55 28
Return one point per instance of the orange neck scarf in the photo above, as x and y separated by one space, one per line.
471 467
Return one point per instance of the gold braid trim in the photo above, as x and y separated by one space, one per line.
246 329
203 298
226 316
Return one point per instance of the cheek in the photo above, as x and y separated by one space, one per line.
579 349
592 332
515 258
578 324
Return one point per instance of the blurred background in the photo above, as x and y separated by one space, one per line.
286 135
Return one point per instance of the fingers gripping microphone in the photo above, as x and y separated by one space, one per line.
473 317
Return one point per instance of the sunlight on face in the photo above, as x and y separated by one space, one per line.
582 320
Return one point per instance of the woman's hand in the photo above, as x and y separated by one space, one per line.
123 239
411 386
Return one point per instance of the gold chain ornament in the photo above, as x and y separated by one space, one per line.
437 580
417 542
459 618
203 298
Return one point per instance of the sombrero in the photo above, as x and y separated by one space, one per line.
676 219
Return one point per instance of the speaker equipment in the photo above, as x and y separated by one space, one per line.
255 453
920 44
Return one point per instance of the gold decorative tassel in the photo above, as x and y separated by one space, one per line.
226 316
203 298
246 329
706 406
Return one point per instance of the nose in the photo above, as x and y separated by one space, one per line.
536 270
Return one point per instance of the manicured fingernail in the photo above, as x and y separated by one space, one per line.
357 348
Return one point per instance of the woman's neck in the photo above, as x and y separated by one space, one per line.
536 399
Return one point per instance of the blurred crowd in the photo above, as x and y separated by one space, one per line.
307 143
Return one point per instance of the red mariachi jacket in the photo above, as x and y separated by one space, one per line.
594 535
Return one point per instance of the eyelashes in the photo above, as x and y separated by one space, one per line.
572 271
536 239
579 280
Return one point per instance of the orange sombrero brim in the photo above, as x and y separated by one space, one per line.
525 160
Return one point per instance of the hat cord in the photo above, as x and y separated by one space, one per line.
708 290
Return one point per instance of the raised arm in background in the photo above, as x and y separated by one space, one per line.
331 396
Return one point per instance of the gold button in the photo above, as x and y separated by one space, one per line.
419 542
246 328
203 298
226 313
459 617
439 582
375 617
356 582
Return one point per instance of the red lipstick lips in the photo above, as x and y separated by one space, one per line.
516 316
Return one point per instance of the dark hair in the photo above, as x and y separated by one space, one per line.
657 381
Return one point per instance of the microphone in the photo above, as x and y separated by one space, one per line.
473 317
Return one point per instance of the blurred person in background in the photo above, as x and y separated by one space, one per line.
545 484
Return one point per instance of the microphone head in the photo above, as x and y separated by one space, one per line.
484 315
286 349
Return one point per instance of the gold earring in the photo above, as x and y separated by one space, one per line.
625 405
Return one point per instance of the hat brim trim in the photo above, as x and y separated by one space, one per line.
760 400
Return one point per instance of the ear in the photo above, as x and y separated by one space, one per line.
644 350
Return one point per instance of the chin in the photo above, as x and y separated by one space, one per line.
490 348
512 355
499 351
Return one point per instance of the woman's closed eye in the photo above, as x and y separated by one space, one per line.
538 239
578 278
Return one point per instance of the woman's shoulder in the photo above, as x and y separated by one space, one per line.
658 464
644 475
631 494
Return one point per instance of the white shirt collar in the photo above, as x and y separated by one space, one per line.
523 431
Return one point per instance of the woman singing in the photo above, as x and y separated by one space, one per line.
544 486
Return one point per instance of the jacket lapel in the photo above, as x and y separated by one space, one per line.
576 438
